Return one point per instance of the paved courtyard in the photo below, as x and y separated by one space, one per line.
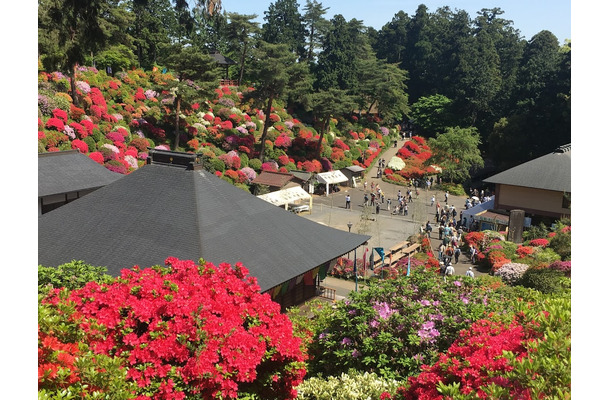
385 229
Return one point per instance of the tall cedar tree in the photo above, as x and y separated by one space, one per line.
276 74
316 26
197 75
241 30
284 24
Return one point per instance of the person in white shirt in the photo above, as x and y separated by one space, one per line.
469 272
449 271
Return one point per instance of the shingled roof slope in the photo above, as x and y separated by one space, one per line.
549 172
160 211
271 178
71 171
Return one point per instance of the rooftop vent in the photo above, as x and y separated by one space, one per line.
175 158
563 149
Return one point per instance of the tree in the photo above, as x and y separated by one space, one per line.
241 31
457 152
70 31
285 25
197 75
276 74
316 26
432 114
325 104
336 66
150 29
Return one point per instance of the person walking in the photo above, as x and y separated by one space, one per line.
365 183
348 202
469 272
447 197
449 271
432 201
456 254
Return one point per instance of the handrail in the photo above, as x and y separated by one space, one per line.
328 293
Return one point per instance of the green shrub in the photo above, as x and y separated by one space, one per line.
72 275
244 160
90 143
544 280
217 165
342 164
562 244
352 385
62 102
545 256
255 164
454 189
536 232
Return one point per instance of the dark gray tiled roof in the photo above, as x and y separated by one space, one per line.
549 172
160 211
71 171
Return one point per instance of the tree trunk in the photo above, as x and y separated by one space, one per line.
325 122
177 127
73 86
261 156
241 68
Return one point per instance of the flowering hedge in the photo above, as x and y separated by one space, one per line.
493 359
188 330
395 326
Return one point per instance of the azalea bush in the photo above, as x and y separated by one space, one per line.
526 357
185 330
511 272
352 385
397 325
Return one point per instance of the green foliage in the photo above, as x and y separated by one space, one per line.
536 232
453 189
432 114
72 275
90 143
217 165
284 24
544 280
456 151
561 243
547 372
545 256
353 385
255 164
384 328
119 57
98 376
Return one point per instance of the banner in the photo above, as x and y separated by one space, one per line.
308 278
324 270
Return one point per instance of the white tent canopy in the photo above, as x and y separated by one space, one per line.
287 196
476 210
330 178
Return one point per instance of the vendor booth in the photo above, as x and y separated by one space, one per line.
331 178
290 198
354 174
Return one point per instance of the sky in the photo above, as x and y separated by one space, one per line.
528 16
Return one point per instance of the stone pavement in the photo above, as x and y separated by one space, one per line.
385 229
